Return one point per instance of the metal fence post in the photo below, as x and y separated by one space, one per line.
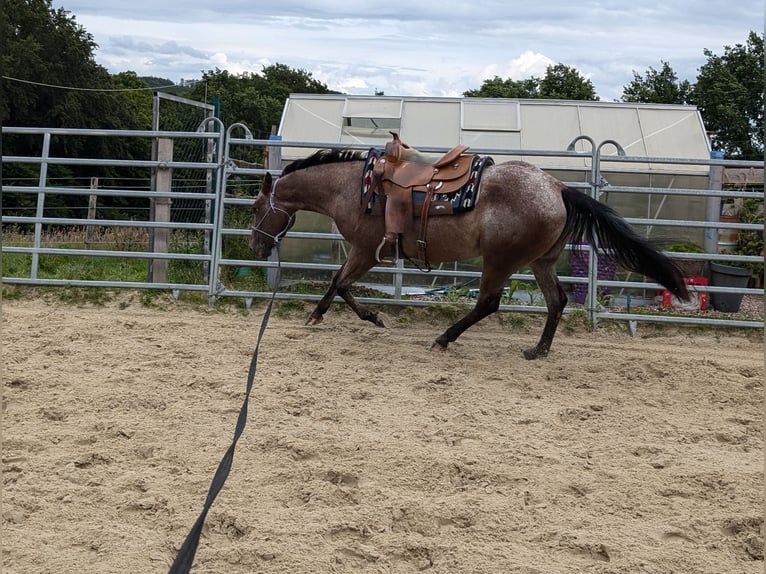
596 185
218 204
273 162
713 203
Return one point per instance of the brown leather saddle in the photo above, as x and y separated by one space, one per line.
402 172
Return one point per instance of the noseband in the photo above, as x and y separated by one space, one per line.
274 208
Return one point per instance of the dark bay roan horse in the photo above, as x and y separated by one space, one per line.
522 217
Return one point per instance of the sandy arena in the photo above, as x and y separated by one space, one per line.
366 453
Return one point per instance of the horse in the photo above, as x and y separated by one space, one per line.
523 217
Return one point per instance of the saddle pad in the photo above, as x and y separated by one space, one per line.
465 198
372 157
460 201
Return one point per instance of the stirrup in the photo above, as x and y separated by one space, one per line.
394 259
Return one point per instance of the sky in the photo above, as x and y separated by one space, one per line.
423 48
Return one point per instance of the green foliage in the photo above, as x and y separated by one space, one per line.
236 246
82 295
560 82
257 100
565 83
406 316
751 242
445 313
138 101
290 308
657 87
92 268
512 287
532 292
155 82
686 248
43 49
151 298
729 93
497 87
454 294
512 321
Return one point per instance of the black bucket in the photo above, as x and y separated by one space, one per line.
728 276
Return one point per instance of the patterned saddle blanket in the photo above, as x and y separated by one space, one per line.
459 200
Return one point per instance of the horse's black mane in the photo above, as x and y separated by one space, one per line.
325 156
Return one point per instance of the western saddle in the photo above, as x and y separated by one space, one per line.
402 171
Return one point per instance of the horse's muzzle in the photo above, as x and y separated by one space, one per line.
260 248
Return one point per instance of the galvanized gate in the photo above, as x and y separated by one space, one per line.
208 254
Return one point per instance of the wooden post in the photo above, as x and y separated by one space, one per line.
92 199
164 180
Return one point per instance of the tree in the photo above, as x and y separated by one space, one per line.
57 83
137 97
257 100
564 83
729 94
657 87
500 88
559 82
45 47
284 80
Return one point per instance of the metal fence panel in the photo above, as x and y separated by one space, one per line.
227 191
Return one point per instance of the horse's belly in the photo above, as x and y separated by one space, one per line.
448 238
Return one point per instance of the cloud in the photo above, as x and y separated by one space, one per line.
522 67
419 49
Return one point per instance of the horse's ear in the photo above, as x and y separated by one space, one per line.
268 182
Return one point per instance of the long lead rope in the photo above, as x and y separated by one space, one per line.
185 557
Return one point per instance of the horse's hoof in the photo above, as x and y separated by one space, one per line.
437 346
382 320
313 321
534 353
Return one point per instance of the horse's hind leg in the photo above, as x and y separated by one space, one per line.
355 267
486 304
555 299
490 291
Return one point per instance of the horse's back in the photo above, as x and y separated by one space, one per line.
526 192
519 214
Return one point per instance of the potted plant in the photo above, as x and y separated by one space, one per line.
734 273
690 267
751 242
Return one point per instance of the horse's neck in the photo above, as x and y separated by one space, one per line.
325 191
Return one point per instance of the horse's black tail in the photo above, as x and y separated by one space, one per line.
592 221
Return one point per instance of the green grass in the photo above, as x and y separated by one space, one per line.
512 321
290 308
83 295
123 269
446 313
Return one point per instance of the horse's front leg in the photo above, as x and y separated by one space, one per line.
324 303
354 268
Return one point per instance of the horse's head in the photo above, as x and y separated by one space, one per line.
270 222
